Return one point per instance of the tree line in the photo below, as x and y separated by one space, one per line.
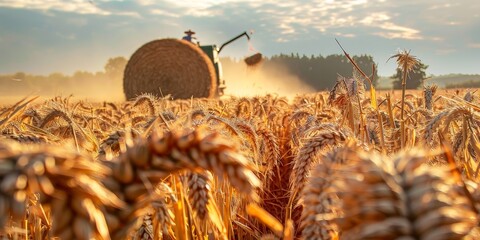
318 71
80 83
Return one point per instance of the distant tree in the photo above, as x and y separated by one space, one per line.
366 62
414 79
115 67
82 75
19 76
467 84
57 76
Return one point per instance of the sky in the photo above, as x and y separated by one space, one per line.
45 36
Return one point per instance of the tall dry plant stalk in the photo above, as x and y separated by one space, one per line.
322 137
320 206
406 63
68 184
428 93
199 192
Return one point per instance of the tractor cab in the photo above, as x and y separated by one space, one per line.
212 53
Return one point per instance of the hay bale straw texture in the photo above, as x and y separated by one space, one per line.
170 66
254 59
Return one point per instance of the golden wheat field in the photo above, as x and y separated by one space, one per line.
329 165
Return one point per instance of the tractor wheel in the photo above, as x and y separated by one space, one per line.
170 67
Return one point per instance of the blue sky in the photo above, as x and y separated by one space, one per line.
44 36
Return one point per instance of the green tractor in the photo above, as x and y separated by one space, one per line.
178 68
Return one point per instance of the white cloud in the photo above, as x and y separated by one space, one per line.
203 12
146 2
441 6
474 45
395 31
332 15
437 39
205 8
73 6
289 18
194 4
76 6
383 21
165 13
128 14
375 18
347 35
294 18
286 29
385 18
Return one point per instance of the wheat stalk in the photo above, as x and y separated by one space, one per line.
320 138
199 192
67 182
382 198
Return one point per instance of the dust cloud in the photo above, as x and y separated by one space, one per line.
242 80
88 90
111 92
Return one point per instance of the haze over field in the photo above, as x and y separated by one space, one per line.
42 36
255 81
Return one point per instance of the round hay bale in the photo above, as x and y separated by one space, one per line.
170 66
254 59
